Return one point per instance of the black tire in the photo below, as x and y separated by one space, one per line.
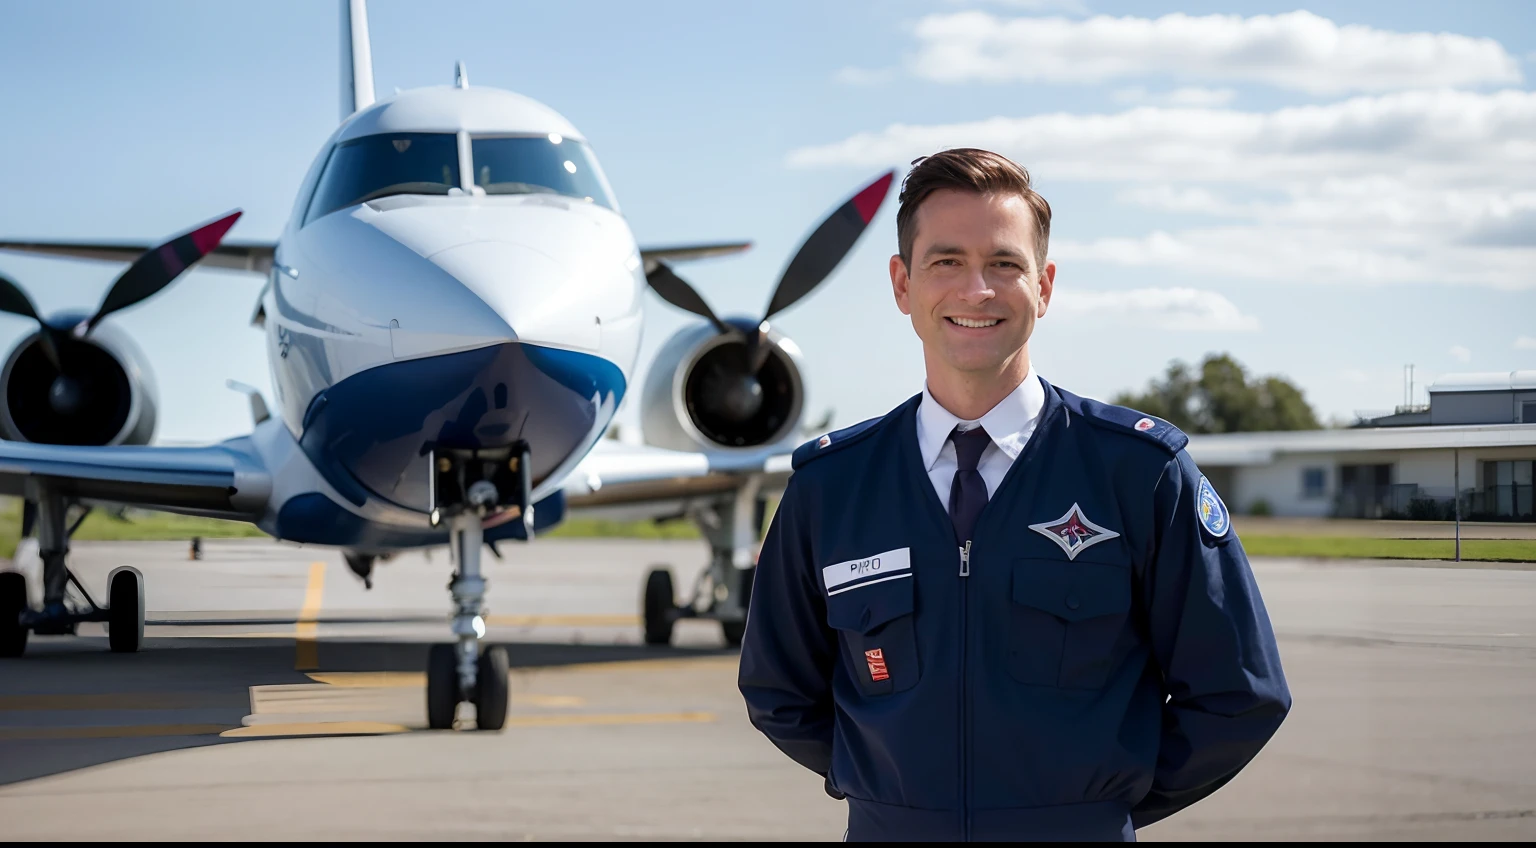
657 606
125 611
733 631
13 602
442 686
491 695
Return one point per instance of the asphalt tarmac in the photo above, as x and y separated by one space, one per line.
276 699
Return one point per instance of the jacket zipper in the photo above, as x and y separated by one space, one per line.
965 693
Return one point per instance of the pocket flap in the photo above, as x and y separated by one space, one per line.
864 608
1072 590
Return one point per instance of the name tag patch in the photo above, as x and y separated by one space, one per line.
890 565
876 660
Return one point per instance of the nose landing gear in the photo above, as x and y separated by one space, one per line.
468 486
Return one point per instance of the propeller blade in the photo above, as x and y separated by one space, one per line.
676 291
15 301
157 267
826 247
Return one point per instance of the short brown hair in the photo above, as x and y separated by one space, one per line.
967 169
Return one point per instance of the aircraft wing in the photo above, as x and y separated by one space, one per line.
686 252
238 256
650 480
221 481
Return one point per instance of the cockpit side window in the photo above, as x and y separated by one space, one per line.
375 166
546 163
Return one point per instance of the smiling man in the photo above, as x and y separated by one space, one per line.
1003 611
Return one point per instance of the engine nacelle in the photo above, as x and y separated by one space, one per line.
700 392
108 398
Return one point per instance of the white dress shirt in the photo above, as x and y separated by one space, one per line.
1009 424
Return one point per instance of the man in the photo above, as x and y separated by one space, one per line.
1003 611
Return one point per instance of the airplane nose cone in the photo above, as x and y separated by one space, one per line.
536 295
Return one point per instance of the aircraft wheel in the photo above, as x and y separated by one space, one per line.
491 689
442 686
734 630
657 606
13 602
125 610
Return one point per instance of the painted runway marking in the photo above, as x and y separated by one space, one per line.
306 649
129 732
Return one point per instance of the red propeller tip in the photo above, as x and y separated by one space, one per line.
208 236
868 201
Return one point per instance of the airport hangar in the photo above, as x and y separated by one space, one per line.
1476 436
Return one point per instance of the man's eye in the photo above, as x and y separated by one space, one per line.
1006 264
947 262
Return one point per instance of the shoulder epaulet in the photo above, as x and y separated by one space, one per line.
1126 420
833 442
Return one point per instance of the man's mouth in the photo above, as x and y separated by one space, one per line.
973 323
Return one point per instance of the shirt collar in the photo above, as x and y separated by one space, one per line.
1009 423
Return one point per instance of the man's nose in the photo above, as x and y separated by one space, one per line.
974 288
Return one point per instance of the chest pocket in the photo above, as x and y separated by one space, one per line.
875 627
1066 623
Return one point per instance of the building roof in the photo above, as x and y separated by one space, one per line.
1263 448
1485 381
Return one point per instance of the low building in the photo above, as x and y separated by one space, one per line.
1475 442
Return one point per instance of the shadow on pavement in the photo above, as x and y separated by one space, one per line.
70 704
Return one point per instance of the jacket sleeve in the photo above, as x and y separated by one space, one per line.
787 652
1213 643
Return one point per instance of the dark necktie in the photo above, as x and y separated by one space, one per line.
968 492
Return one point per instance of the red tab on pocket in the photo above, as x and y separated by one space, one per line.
876 661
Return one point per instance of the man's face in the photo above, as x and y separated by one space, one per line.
973 289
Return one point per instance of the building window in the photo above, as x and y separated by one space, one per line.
1528 412
1508 491
1314 482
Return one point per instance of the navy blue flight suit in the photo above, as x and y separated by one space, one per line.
1105 662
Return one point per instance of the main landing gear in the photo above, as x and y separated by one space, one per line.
731 525
123 614
468 486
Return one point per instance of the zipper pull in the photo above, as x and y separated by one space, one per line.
965 559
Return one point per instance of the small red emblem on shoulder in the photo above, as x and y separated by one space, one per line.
877 669
1145 424
823 441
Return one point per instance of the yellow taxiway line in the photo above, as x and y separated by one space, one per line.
306 648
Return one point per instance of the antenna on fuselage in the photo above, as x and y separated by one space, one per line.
356 58
460 76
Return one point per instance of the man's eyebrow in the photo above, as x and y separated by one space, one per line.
1007 252
944 250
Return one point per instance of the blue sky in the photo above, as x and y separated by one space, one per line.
1326 196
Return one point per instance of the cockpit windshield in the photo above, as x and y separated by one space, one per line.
552 163
375 166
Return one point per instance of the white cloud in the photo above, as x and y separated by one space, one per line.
1070 6
1525 343
1354 375
1424 186
1178 309
1187 96
1297 50
1461 354
864 76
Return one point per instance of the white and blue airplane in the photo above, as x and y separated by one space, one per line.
452 317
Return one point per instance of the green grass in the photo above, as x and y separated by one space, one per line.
1355 547
138 525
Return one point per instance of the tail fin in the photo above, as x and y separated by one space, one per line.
356 58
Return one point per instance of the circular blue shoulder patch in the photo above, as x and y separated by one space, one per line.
1212 512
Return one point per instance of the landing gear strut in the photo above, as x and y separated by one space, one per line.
731 526
123 614
467 486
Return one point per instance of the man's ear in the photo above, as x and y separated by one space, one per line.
899 284
1047 287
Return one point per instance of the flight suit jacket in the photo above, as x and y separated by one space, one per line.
1096 660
